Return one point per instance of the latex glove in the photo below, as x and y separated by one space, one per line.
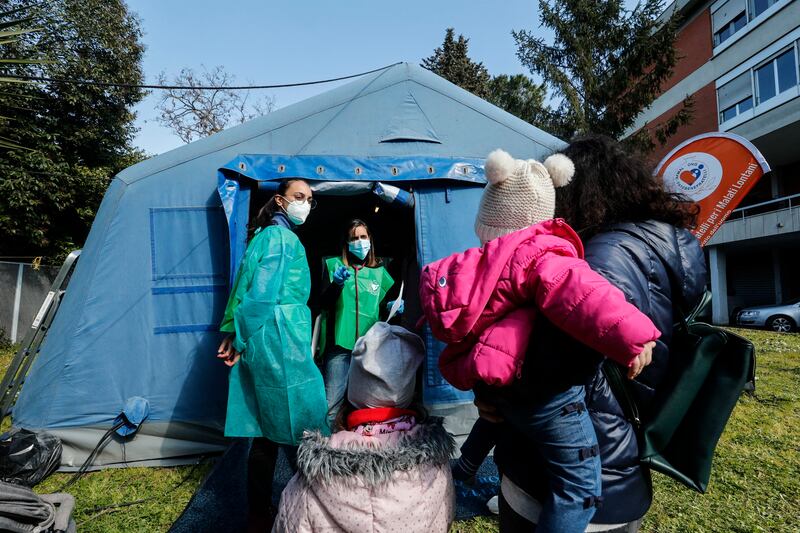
227 353
400 310
641 361
341 275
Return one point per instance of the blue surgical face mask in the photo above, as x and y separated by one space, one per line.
360 248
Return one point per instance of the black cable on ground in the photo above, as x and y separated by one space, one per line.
92 456
102 509
72 81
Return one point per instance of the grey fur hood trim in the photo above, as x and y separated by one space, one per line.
317 461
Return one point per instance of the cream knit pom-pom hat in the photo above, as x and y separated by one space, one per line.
520 193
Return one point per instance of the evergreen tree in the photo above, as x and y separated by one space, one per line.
76 137
452 62
517 94
520 96
605 65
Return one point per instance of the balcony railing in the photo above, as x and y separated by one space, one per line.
777 204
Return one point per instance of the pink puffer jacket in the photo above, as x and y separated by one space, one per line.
398 481
483 303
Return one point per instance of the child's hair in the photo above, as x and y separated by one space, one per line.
371 260
344 408
611 185
264 216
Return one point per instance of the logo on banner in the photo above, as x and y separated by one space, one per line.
715 170
696 175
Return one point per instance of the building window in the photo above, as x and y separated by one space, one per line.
728 19
733 15
759 6
776 76
735 97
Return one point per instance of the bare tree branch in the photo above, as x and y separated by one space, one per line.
195 113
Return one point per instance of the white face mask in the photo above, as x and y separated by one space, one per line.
297 211
360 248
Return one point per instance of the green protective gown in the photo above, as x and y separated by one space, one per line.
359 306
276 390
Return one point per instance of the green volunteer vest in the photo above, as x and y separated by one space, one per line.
359 305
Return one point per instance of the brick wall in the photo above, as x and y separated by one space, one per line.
704 120
694 47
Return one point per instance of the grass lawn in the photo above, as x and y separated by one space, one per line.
755 485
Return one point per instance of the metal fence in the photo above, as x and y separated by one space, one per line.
776 204
22 291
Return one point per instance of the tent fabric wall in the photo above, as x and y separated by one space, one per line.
138 316
445 218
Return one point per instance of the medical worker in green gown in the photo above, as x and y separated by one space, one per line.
276 391
358 284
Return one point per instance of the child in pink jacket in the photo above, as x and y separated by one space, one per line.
485 302
386 467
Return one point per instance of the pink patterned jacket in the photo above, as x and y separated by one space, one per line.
397 481
483 302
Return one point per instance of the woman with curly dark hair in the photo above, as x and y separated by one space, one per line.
636 234
611 186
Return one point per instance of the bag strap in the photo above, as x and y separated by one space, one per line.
397 302
619 387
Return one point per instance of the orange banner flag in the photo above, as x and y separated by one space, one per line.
716 170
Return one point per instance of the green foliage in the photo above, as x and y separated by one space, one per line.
517 94
604 66
452 62
74 137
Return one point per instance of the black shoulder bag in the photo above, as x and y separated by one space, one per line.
709 368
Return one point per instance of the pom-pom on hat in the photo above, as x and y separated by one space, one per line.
520 193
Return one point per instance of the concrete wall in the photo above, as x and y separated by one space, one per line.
756 36
758 226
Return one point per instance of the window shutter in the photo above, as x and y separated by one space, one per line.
734 91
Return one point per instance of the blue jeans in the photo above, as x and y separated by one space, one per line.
561 431
336 369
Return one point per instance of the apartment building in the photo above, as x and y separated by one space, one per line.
739 62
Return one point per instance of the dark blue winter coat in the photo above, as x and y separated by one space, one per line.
659 268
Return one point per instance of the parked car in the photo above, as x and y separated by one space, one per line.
782 318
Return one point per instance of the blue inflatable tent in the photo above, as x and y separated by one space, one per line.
140 316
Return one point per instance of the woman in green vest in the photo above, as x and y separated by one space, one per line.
275 391
358 284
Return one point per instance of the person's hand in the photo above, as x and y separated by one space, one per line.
227 353
487 411
641 361
341 275
400 310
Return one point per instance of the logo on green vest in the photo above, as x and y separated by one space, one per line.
374 286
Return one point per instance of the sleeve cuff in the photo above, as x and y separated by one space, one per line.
237 345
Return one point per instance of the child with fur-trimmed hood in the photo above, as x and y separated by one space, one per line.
386 466
490 304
